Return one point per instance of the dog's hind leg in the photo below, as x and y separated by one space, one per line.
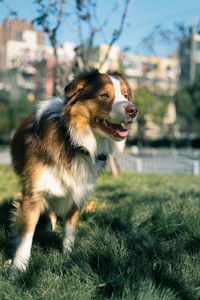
50 222
71 220
53 219
26 219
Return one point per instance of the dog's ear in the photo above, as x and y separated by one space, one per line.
74 87
85 84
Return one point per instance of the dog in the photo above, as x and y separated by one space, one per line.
59 151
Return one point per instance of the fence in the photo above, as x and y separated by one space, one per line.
5 157
177 164
155 164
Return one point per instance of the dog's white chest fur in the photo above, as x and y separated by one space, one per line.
61 188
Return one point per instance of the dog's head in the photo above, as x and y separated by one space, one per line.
102 101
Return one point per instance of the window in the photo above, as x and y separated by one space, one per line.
18 36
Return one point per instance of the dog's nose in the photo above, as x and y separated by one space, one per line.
131 110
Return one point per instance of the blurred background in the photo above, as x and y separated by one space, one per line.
154 44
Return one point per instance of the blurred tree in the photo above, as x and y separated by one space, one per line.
181 36
5 124
19 109
12 112
160 34
187 100
50 16
89 26
150 105
153 105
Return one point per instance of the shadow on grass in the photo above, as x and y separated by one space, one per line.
45 240
154 250
5 213
147 257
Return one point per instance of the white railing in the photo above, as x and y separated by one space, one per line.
5 157
178 164
155 164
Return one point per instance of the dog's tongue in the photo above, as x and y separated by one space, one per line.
121 131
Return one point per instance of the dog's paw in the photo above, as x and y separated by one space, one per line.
17 266
91 207
67 246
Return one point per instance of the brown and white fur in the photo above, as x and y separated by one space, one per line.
59 151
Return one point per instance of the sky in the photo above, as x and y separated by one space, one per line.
142 17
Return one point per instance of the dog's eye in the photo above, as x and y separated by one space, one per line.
105 95
126 96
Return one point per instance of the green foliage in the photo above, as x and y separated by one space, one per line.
5 125
149 104
142 243
12 112
160 34
187 100
19 110
9 186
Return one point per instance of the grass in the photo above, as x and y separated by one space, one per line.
142 243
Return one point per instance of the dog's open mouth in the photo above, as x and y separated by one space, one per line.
115 130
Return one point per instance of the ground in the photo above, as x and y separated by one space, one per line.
142 243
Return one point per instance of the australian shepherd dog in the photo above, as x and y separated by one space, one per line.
59 151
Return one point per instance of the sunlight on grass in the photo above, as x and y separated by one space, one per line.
142 243
9 186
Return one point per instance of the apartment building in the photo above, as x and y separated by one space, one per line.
16 38
189 57
20 46
160 75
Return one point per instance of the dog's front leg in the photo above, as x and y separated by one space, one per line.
70 223
27 216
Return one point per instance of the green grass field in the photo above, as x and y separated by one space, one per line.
142 243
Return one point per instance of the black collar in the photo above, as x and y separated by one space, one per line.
102 156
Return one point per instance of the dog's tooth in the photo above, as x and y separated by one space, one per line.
123 125
108 124
105 123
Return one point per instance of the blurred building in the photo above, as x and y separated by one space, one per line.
26 63
66 53
21 47
99 53
159 75
189 57
18 39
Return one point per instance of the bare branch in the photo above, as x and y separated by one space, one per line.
43 20
60 15
109 17
11 12
80 29
116 33
50 14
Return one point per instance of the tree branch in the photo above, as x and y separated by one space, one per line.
116 33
